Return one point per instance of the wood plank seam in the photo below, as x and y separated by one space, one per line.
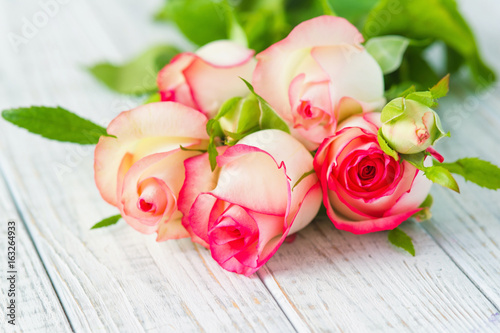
492 302
16 201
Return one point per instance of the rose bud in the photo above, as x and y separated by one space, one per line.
207 78
411 127
245 209
365 190
141 170
242 117
317 76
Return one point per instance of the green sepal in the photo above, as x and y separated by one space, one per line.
269 119
408 91
393 110
441 88
425 213
436 174
189 149
427 202
385 146
212 154
423 97
417 160
304 176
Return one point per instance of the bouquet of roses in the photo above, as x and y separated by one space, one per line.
240 151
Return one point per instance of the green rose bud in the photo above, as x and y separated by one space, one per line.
239 117
410 127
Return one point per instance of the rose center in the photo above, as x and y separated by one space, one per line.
305 110
234 232
367 172
145 206
168 95
422 135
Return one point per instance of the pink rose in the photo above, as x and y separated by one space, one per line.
365 190
206 79
141 171
317 76
245 209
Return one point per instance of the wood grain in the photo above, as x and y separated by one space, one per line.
334 280
37 305
467 226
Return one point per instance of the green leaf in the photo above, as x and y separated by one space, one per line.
308 173
268 118
400 239
201 21
480 172
236 32
385 146
453 60
264 22
354 11
298 11
55 124
441 88
327 8
107 222
423 19
441 176
137 76
387 51
415 68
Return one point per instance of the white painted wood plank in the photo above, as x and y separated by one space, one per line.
467 226
112 279
36 303
334 280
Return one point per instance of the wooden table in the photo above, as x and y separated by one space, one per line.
115 279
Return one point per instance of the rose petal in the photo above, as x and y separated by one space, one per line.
271 77
252 169
172 229
353 73
148 129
